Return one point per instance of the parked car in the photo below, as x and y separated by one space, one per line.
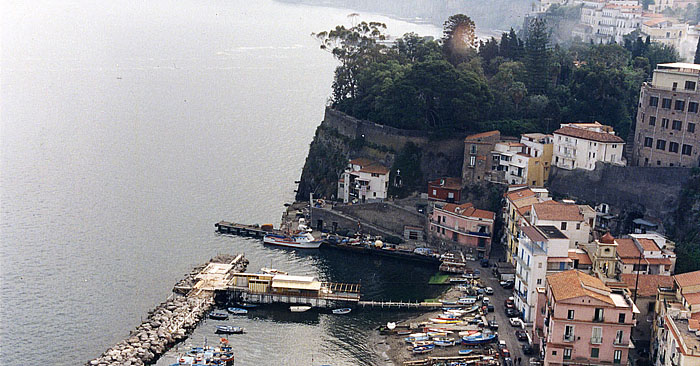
521 335
485 301
508 361
512 313
484 263
507 284
493 324
516 322
527 349
466 300
490 308
509 302
505 353
489 291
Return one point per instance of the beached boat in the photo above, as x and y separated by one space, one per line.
464 352
299 309
342 311
207 356
301 240
423 349
444 343
228 329
480 338
248 305
403 332
237 311
218 315
444 321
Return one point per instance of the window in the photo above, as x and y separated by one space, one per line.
687 150
677 125
472 160
621 318
539 280
690 85
595 352
597 335
648 142
598 315
578 226
473 149
435 194
567 353
661 144
563 226
554 353
691 127
651 306
680 105
653 101
673 147
618 336
652 121
570 315
693 107
617 356
664 122
666 103
569 333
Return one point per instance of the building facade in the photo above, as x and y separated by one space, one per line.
464 224
666 130
519 201
363 180
526 162
445 189
477 156
675 339
581 145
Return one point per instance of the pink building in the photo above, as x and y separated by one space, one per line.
584 322
464 224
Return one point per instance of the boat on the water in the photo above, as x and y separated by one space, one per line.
272 271
248 305
218 315
229 329
237 311
299 309
341 311
207 356
424 348
302 240
480 338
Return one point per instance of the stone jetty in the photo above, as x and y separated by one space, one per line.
173 320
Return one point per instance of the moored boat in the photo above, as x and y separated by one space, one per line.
300 240
423 349
299 309
342 311
207 356
464 352
444 343
480 338
237 311
218 315
228 329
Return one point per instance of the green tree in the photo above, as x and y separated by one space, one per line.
459 38
537 56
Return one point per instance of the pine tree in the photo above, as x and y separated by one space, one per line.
537 57
697 53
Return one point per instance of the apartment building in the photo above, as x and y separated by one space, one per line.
608 21
477 156
583 321
643 289
464 224
363 180
519 201
666 131
575 221
675 340
526 162
646 254
448 189
582 145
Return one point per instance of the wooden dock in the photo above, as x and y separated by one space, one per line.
400 305
255 231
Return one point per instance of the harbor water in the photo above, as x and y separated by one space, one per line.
127 130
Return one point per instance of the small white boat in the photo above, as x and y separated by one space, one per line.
391 325
341 311
300 240
299 309
272 271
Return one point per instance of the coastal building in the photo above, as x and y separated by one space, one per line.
519 201
603 254
525 162
646 254
643 289
583 321
582 145
674 339
464 224
575 221
477 156
445 189
666 131
363 180
541 250
607 21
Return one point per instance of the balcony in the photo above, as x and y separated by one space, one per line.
598 319
596 340
569 338
461 230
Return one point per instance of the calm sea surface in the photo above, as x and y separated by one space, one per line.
128 128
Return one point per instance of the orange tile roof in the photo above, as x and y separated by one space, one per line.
376 169
688 279
552 210
519 194
664 261
627 249
589 135
574 283
648 245
450 183
647 284
583 258
362 161
692 299
482 135
469 211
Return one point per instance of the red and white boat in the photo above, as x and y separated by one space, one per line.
301 240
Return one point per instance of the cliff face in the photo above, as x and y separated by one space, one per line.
341 137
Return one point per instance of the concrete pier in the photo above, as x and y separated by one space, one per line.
174 319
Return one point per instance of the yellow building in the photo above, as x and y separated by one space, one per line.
519 201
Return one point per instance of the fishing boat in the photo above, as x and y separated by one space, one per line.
444 321
299 309
207 356
248 305
444 343
403 332
218 315
237 311
272 271
343 311
411 339
302 240
464 352
480 338
228 329
423 349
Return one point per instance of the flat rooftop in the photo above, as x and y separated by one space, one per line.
679 66
551 232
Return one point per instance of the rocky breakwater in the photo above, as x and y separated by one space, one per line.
170 322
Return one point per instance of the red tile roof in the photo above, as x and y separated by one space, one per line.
688 279
362 162
449 183
648 245
692 299
520 193
607 239
557 211
482 135
583 258
589 135
664 261
376 169
573 283
627 249
647 284
468 210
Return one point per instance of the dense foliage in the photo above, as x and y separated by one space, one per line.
456 85
686 231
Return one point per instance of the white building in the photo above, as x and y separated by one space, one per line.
581 145
363 180
509 158
608 21
541 250
525 162
575 221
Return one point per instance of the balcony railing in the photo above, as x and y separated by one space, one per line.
569 338
598 319
596 340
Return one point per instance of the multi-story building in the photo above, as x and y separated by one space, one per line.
646 254
363 180
575 221
666 31
526 162
675 340
447 189
477 156
643 289
519 201
583 321
603 253
464 224
667 131
541 250
581 145
608 21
